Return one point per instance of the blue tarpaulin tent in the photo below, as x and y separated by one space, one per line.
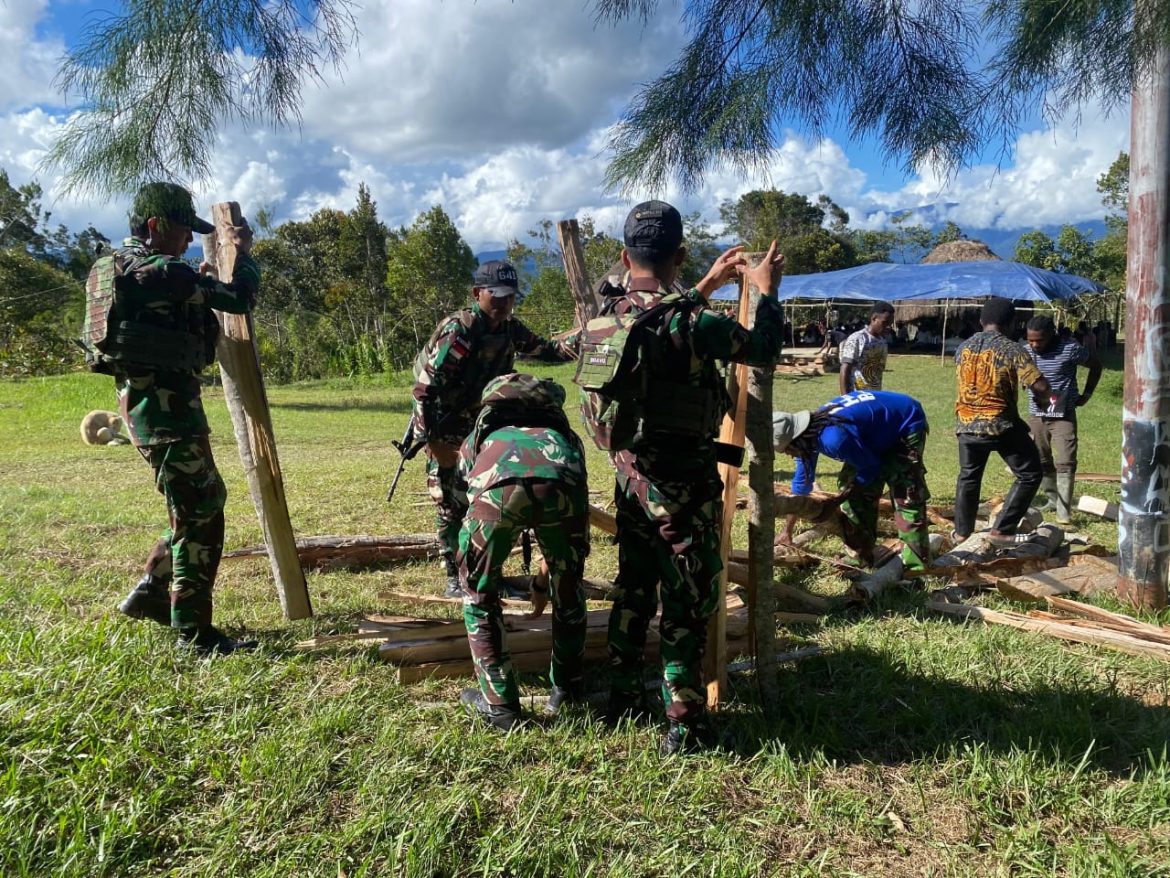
895 282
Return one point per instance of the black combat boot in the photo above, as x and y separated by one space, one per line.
149 599
210 641
682 739
454 588
500 716
559 697
624 706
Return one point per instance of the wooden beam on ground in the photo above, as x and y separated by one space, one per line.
731 433
585 301
602 520
1086 575
1095 637
247 401
358 549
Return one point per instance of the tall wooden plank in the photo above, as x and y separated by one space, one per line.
732 433
585 301
248 405
761 524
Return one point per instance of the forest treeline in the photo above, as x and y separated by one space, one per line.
346 294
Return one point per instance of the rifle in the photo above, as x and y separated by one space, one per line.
408 447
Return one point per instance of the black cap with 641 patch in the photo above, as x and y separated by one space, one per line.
497 277
655 226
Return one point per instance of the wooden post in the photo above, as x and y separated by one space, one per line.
732 433
247 402
1143 543
761 522
584 300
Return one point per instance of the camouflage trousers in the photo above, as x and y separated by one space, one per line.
905 473
668 537
558 514
449 493
187 554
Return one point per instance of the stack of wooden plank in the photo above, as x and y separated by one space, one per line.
1077 622
439 648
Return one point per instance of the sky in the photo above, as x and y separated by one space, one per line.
499 110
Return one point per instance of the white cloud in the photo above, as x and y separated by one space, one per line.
501 112
27 62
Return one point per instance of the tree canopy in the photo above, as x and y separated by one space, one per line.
932 81
158 78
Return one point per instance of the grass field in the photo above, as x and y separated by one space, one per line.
913 746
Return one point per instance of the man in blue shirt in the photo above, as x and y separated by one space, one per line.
880 437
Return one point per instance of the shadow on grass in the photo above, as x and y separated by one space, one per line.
860 704
395 406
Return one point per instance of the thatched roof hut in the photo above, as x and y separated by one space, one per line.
960 251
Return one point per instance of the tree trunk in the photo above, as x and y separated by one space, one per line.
1144 530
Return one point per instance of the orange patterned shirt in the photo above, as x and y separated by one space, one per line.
991 369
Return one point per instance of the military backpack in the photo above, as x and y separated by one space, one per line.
622 399
111 337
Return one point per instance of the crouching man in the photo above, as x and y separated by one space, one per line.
525 469
880 437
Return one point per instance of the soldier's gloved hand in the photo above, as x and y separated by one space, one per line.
241 236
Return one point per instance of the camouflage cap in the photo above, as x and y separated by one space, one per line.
167 201
524 389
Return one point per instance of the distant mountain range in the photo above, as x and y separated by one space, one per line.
1001 241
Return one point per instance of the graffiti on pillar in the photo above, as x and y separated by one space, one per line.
1144 531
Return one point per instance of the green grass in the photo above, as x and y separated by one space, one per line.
914 746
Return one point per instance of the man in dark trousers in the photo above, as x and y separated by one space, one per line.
668 493
1054 429
987 419
467 350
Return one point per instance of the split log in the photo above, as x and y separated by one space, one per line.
602 520
784 657
361 549
1098 477
1084 575
1094 637
586 303
869 587
247 401
1137 627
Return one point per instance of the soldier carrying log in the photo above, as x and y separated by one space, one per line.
149 324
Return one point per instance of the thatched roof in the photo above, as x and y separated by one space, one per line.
960 251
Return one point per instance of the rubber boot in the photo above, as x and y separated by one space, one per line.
1048 487
1064 496
559 697
149 599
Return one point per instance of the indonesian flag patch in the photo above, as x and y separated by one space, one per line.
458 349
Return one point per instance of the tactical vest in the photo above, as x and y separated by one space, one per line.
489 355
111 337
627 374
519 400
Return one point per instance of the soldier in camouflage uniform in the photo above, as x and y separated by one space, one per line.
668 492
524 468
164 305
466 351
